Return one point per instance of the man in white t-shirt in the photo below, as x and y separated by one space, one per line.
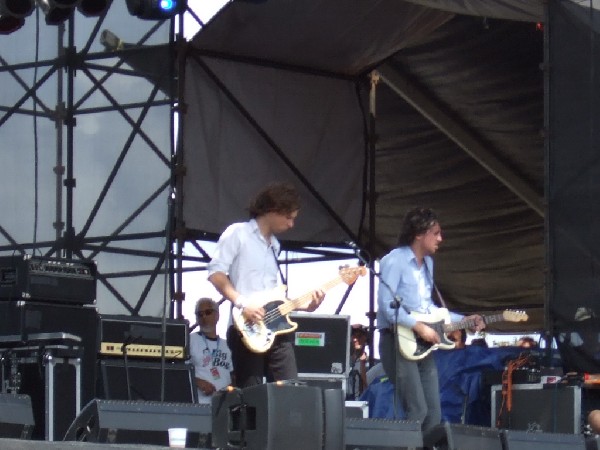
209 354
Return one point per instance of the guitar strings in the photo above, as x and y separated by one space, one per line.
275 313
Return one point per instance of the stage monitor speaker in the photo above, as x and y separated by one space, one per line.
125 422
16 416
380 434
145 381
278 416
449 436
523 440
334 418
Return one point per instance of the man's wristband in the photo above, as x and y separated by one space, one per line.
239 302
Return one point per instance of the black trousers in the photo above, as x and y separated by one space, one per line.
276 364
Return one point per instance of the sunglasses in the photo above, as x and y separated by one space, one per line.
205 313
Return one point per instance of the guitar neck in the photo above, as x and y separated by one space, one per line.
303 300
470 323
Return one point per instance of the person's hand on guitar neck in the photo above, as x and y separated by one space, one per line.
317 298
426 333
478 321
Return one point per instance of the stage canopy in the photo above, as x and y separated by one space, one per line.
279 90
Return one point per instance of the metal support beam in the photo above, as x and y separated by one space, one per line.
461 135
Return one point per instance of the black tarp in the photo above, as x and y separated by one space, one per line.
477 65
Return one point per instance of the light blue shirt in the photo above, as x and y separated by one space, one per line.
247 258
411 283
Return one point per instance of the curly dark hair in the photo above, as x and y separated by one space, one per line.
281 198
416 221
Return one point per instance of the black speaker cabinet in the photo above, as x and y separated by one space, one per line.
53 384
26 318
322 344
447 436
556 409
523 440
145 381
277 416
111 421
16 416
382 434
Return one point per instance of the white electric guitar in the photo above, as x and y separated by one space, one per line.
259 336
414 347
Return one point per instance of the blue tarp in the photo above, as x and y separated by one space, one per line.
460 374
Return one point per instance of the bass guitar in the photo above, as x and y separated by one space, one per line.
259 336
413 347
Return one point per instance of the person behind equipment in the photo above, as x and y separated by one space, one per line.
209 354
408 271
245 263
459 337
359 361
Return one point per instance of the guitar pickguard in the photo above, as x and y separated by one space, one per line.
413 347
259 336
423 347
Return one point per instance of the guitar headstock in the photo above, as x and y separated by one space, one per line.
515 316
350 274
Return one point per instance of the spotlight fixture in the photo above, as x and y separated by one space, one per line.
57 11
156 9
93 8
13 13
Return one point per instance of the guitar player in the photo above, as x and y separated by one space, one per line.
408 271
245 263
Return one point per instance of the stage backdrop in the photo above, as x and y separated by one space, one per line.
316 122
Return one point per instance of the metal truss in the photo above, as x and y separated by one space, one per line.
82 228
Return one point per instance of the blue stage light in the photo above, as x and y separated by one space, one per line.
167 5
156 9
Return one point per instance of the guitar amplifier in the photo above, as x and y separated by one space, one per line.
47 279
142 337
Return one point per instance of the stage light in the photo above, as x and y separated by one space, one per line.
57 11
8 24
16 8
13 13
156 9
93 8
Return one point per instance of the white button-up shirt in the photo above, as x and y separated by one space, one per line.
247 258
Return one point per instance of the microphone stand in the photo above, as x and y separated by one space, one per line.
127 342
395 304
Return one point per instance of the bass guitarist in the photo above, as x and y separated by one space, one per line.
245 263
408 271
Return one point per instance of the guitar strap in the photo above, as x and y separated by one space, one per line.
283 278
438 295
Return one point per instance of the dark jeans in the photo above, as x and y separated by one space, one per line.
416 383
276 364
